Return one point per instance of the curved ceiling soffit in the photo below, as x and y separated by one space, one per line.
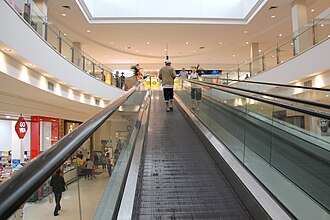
127 52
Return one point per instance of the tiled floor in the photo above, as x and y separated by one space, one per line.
90 194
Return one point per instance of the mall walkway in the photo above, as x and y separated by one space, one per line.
90 192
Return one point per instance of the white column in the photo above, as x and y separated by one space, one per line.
254 55
299 19
77 48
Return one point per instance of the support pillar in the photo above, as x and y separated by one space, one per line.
299 19
255 62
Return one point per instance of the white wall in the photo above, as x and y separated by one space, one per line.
10 141
6 133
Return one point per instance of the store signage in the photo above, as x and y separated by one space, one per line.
21 127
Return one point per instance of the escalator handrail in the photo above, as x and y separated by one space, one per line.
305 110
302 101
277 84
16 190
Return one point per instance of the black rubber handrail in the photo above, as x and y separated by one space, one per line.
305 110
276 84
16 190
302 101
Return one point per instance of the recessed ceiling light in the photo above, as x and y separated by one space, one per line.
245 32
322 25
220 43
273 56
88 31
327 95
64 34
247 42
280 35
165 49
312 10
259 50
148 43
233 55
63 14
111 42
7 50
246 61
273 16
187 42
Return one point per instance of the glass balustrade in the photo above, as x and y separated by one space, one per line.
98 165
59 42
286 149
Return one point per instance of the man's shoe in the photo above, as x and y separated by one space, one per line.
168 109
171 108
56 214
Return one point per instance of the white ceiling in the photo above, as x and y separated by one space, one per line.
107 42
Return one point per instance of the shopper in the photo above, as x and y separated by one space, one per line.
196 91
109 167
117 79
57 184
89 169
167 75
183 73
122 81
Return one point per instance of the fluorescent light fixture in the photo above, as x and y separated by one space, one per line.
88 31
273 16
63 14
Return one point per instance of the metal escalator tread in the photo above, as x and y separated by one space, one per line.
178 179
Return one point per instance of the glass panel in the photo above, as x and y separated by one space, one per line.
304 40
322 30
52 36
285 50
37 19
270 59
66 50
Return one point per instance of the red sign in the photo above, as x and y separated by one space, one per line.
21 127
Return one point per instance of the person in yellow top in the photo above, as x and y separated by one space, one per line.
167 75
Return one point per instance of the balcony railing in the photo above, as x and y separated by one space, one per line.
303 39
59 42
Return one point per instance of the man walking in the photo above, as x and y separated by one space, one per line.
167 75
58 186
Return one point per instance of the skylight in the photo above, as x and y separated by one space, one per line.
170 11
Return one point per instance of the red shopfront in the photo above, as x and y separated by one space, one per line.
44 133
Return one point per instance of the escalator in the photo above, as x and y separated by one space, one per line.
178 178
232 159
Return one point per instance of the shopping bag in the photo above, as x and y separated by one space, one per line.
50 198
